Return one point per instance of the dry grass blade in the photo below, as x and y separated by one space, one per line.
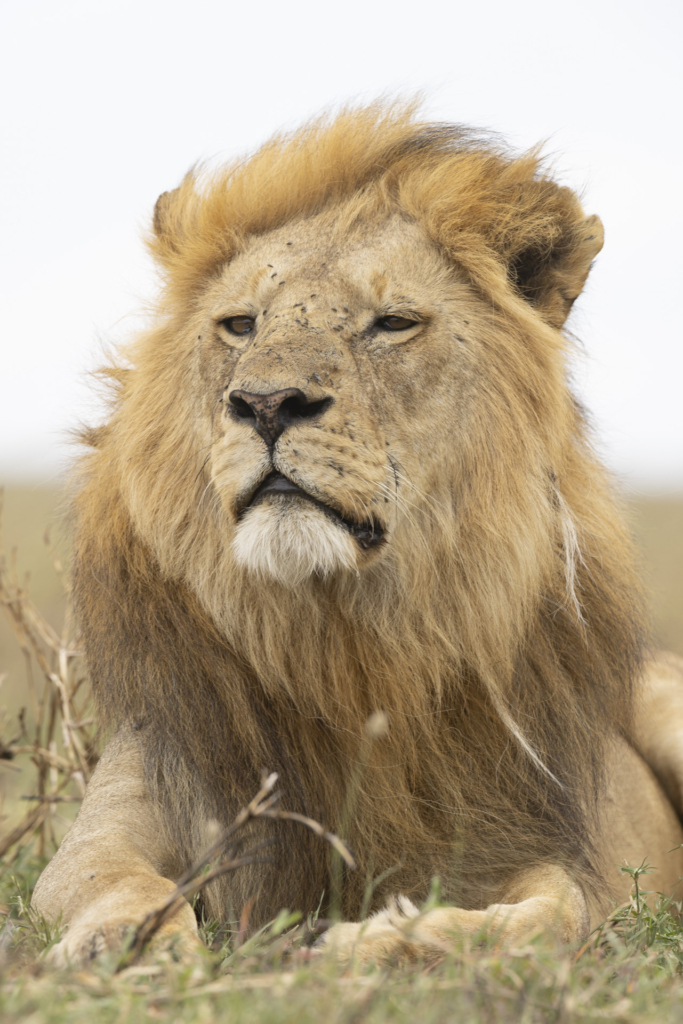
63 751
335 842
31 822
263 805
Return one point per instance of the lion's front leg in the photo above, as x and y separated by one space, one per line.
541 900
109 872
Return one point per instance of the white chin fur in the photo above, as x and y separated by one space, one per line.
290 541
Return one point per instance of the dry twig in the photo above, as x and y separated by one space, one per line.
63 749
263 805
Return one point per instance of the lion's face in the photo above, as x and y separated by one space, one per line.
327 365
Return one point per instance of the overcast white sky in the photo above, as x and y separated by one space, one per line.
106 103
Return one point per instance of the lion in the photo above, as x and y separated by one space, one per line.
344 474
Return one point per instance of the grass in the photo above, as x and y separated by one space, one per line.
630 970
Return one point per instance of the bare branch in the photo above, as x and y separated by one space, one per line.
62 753
263 805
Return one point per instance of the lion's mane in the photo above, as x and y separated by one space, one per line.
502 643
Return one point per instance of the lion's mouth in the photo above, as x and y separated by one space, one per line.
277 485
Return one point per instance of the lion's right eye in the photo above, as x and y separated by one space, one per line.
396 323
239 324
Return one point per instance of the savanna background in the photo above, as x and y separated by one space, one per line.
105 106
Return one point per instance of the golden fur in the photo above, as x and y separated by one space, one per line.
498 624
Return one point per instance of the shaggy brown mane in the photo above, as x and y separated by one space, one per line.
464 189
502 644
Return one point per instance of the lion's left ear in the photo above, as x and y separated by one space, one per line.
549 247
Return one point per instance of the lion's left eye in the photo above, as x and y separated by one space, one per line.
396 323
239 324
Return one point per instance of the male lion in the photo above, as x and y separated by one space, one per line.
344 473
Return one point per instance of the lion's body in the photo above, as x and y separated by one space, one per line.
455 559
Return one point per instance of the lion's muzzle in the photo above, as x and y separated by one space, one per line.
276 485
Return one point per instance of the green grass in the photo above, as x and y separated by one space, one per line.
631 970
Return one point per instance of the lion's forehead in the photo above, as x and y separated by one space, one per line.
321 265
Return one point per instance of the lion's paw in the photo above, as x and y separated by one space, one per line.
391 936
81 945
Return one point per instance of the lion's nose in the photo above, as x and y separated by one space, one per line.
271 414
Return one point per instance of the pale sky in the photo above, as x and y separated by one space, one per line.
106 103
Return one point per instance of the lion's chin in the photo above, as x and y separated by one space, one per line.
291 540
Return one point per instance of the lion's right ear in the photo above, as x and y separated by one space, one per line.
168 225
174 225
189 235
162 212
